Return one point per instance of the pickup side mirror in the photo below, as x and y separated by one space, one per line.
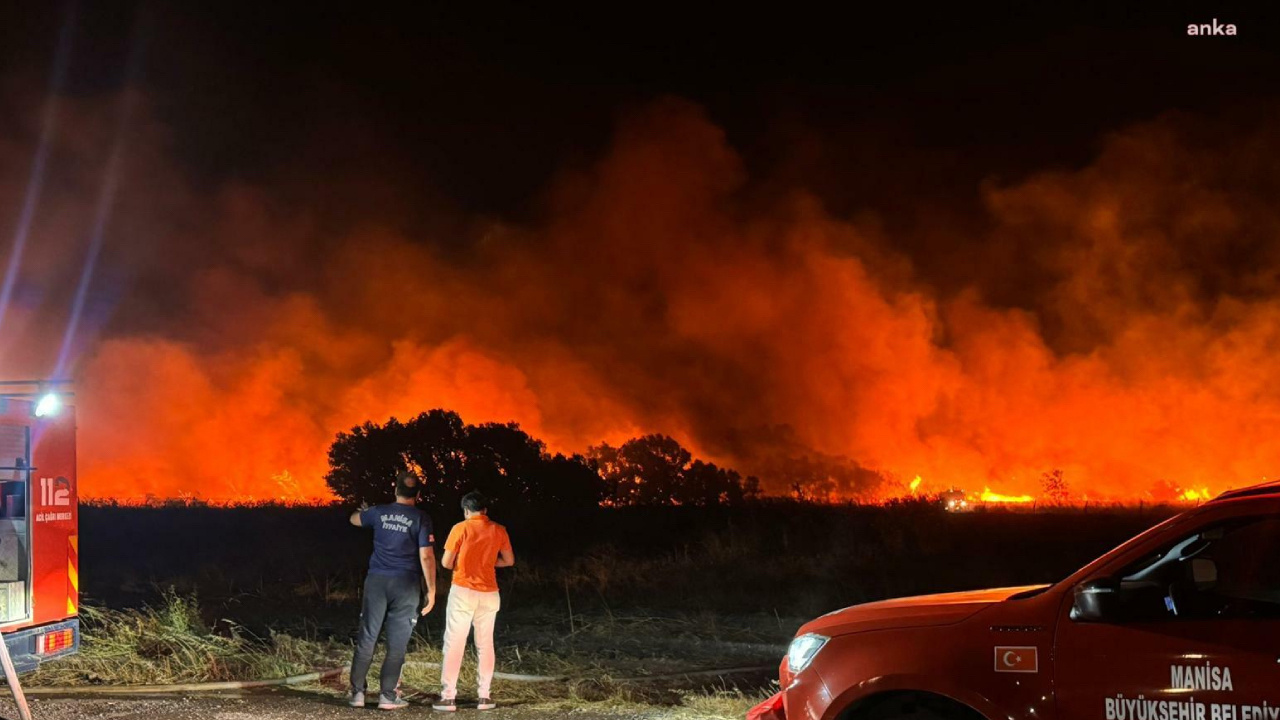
1097 600
1204 572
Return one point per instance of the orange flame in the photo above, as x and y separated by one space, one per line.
992 497
1196 495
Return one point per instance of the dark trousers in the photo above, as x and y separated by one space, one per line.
390 601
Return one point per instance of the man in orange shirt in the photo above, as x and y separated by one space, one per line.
475 547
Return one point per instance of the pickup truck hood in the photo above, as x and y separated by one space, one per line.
920 611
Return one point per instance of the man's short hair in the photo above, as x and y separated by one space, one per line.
407 485
475 502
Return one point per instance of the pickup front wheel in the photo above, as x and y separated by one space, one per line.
911 706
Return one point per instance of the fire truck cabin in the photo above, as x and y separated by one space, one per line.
39 516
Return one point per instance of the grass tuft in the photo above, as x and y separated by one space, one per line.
722 705
170 643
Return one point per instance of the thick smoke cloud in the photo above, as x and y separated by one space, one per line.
1118 320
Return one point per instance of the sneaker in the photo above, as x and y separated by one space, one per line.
444 705
356 699
485 704
397 703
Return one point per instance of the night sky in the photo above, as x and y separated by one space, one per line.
478 107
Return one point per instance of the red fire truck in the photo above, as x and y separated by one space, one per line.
1180 623
39 541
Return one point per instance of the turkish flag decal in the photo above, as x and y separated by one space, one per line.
1017 659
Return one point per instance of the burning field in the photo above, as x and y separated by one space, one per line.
1114 322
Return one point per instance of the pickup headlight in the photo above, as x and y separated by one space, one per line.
803 649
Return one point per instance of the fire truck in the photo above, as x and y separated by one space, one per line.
1180 623
39 541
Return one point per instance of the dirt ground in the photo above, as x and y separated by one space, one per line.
270 706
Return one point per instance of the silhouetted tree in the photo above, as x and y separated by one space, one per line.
605 461
656 470
510 466
363 463
569 482
1055 487
432 443
643 471
500 460
706 484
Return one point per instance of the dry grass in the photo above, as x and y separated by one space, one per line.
724 705
169 643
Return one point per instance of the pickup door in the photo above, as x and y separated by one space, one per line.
1194 633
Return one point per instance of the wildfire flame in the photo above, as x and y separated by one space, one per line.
993 497
1196 495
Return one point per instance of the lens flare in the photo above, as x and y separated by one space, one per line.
48 405
35 181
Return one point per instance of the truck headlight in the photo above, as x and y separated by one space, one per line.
803 649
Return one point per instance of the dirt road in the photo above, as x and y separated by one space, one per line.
271 706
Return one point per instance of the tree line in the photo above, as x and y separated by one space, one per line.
507 464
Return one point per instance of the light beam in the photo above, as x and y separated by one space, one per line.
35 182
102 211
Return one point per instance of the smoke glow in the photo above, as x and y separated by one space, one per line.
1118 322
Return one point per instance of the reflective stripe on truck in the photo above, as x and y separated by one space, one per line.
73 574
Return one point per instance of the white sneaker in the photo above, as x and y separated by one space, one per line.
392 704
356 699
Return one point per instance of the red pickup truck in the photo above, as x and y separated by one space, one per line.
1180 623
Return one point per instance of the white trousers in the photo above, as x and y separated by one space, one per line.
468 609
